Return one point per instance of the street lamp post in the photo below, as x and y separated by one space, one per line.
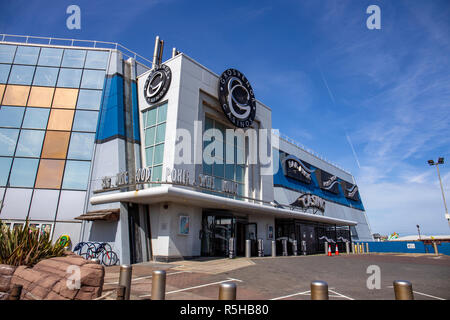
432 163
418 229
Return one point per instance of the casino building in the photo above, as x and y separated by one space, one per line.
163 163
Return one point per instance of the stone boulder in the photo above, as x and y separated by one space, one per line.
62 278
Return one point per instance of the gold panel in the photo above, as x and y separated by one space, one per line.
50 174
16 95
41 97
60 120
65 98
55 144
2 89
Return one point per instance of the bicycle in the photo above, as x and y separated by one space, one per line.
99 250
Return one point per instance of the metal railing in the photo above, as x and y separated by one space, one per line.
307 150
49 41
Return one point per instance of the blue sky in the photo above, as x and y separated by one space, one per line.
376 102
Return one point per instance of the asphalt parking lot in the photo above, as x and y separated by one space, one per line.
289 278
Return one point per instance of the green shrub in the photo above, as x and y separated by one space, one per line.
26 246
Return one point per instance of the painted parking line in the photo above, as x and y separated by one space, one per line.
341 295
196 287
308 293
428 295
423 294
149 277
292 295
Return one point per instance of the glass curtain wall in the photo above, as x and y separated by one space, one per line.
50 99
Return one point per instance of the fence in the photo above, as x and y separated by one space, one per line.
407 247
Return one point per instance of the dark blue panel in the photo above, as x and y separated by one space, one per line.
402 246
136 130
280 180
111 121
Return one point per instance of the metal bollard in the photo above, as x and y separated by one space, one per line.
125 279
319 290
227 291
274 248
231 248
294 247
248 248
436 252
362 248
326 247
159 285
120 292
367 247
304 247
260 248
16 291
347 247
403 290
284 245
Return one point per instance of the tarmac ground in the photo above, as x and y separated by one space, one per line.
349 277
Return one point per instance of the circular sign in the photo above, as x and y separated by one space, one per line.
157 83
236 98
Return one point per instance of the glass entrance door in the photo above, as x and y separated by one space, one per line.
215 234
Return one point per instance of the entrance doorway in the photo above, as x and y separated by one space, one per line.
219 227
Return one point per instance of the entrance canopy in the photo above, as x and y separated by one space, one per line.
204 200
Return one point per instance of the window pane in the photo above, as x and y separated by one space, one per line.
218 170
50 174
151 117
69 78
16 95
93 79
7 53
21 74
23 172
45 76
150 136
41 97
89 99
11 116
76 175
162 113
4 72
50 57
207 169
149 156
81 146
229 171
160 133
97 59
30 143
73 58
159 154
157 173
60 119
8 140
55 145
208 124
36 118
65 98
85 121
239 174
26 55
5 165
